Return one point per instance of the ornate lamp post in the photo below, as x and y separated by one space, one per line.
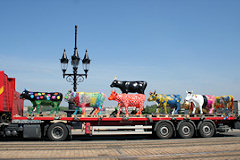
74 77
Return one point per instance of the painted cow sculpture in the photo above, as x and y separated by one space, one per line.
43 98
86 99
225 102
128 100
189 106
130 86
164 100
201 102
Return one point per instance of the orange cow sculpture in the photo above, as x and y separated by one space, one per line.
128 100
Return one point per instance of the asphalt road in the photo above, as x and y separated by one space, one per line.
222 146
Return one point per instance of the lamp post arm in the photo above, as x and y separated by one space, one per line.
70 74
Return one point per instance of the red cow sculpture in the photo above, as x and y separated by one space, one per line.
128 100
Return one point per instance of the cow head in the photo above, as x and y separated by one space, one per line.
69 96
153 96
189 95
186 105
116 83
25 94
113 95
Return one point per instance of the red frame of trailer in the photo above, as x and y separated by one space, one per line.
120 119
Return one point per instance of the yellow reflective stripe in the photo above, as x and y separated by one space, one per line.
1 90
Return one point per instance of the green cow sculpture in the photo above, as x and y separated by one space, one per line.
43 98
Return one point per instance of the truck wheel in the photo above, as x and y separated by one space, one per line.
207 129
186 130
57 132
164 130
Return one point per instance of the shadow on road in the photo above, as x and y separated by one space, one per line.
115 137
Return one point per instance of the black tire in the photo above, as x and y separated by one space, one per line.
186 130
164 130
57 132
207 129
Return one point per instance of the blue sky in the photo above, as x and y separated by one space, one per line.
173 45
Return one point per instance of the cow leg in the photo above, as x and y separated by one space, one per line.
140 109
84 109
138 112
100 110
80 110
57 107
126 108
33 107
211 110
201 110
165 107
96 112
173 111
119 110
92 111
178 107
194 109
117 106
54 107
38 106
76 110
158 108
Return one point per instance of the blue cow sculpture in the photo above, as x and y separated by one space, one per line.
164 100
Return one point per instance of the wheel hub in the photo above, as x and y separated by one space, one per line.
164 131
57 132
206 130
186 130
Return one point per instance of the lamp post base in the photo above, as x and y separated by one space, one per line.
71 109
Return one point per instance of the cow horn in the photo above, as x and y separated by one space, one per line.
115 78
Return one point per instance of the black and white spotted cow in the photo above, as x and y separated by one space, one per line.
130 86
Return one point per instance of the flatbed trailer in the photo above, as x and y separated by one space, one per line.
163 126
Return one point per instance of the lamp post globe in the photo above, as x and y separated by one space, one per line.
86 63
64 62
